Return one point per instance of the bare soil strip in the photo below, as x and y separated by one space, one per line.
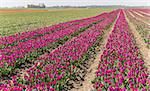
139 19
143 16
141 45
144 13
139 14
86 84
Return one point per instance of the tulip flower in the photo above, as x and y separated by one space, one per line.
129 70
57 65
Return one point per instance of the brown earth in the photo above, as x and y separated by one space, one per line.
145 14
139 19
148 14
140 14
143 17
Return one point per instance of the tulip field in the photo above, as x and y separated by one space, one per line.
143 27
121 66
58 57
16 20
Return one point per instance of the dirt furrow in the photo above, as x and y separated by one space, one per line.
139 14
139 18
144 17
144 13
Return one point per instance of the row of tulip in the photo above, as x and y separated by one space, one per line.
10 40
11 56
141 27
144 10
139 16
142 13
136 16
24 36
121 67
53 70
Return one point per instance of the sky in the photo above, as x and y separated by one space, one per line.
15 3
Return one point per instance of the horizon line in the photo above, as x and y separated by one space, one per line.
47 6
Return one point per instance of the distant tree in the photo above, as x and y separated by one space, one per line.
41 5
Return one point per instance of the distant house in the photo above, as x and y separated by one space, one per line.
41 5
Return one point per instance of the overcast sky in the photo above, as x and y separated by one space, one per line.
14 3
